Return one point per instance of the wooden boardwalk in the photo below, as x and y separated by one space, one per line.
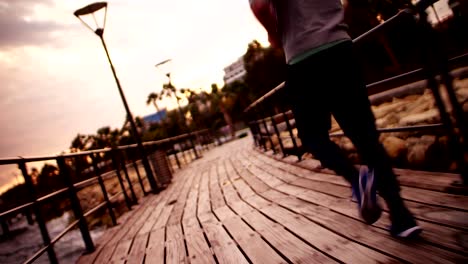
236 205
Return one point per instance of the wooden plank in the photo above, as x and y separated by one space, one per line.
138 249
224 248
152 219
105 254
249 178
289 245
280 174
216 197
241 207
325 240
162 220
100 244
261 173
224 213
122 232
459 202
449 217
256 249
175 247
204 205
176 216
121 252
435 234
415 252
159 205
230 194
136 226
189 217
155 249
198 249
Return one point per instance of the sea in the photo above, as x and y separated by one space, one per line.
26 239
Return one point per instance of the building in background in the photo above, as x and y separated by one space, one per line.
235 71
156 117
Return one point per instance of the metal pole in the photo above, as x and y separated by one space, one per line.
97 171
127 176
140 180
75 204
154 186
39 219
291 134
115 162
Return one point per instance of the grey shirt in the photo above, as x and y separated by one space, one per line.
305 25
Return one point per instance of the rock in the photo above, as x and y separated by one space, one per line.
388 120
382 110
396 147
421 153
288 143
428 139
417 155
430 116
347 145
275 141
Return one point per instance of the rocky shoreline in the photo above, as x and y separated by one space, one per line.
405 106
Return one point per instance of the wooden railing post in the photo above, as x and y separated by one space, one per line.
39 219
75 204
97 171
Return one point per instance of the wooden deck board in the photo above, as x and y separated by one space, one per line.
237 205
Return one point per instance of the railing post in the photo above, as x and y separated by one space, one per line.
27 213
75 204
175 156
280 141
291 134
435 62
121 157
140 180
269 136
115 163
39 219
164 147
194 146
183 153
5 227
97 171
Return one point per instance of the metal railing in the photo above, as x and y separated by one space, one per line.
270 110
77 170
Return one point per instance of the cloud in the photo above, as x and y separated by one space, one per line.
22 24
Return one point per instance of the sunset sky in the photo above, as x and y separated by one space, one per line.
56 81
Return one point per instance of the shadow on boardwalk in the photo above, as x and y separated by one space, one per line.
236 205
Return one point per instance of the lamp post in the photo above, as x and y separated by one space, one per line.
91 9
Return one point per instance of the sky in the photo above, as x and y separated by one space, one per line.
56 81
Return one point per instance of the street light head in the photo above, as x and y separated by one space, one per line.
89 9
162 62
93 10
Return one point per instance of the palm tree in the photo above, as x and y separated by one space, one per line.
152 98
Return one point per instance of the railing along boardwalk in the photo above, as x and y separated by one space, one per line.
240 205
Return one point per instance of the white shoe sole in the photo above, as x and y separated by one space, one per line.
415 230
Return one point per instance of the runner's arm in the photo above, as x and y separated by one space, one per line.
265 13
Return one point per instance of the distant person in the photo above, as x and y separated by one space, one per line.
324 79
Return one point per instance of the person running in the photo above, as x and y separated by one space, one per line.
324 79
